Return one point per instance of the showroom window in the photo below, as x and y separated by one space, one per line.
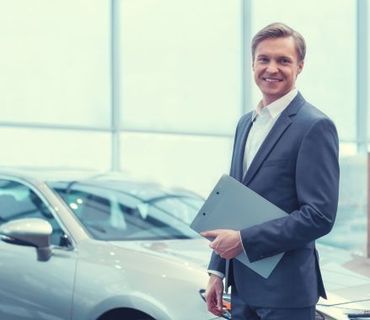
181 65
57 62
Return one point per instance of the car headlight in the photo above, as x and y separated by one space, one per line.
226 302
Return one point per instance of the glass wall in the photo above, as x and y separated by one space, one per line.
350 229
181 65
181 73
55 84
55 62
193 162
53 148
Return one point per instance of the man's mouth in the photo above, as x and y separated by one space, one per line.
272 79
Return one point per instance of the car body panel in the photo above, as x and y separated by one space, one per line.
133 280
43 290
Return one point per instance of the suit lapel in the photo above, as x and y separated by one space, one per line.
282 123
240 149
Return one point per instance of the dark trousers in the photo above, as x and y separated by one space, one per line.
242 311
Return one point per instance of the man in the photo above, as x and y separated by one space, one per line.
287 151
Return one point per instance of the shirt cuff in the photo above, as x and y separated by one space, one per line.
241 241
216 273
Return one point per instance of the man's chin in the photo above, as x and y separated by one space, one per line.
270 97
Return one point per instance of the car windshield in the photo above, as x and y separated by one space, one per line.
115 211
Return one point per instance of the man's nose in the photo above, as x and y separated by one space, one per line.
272 67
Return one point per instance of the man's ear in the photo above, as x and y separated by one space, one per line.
300 66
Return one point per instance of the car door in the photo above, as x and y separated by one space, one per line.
32 289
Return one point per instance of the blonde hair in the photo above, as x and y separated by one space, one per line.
280 30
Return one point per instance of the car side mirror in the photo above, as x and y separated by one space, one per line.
32 232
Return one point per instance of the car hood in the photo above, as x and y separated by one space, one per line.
194 251
346 277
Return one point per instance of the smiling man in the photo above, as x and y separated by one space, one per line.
287 151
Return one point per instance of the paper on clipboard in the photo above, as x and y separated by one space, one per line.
232 205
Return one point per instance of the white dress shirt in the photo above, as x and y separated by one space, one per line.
263 118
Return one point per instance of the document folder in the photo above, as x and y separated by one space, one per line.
232 205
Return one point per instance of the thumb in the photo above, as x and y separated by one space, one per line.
210 233
219 300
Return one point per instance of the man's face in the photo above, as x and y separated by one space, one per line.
276 67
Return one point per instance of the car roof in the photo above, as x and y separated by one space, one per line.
110 180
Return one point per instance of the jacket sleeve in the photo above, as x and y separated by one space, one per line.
317 184
217 264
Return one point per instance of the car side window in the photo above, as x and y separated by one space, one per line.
18 201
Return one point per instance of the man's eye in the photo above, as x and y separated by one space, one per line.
284 61
263 60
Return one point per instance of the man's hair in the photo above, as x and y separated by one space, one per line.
280 30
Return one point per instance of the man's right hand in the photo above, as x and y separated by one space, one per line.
214 292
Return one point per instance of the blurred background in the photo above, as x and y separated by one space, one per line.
155 87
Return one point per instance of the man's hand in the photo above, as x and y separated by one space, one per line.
226 243
214 291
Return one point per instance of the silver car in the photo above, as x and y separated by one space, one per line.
99 248
108 248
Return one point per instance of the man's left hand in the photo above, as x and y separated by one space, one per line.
227 243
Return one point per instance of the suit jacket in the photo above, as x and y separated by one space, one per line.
297 169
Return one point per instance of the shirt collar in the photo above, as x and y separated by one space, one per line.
275 108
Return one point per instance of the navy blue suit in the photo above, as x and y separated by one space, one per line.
296 168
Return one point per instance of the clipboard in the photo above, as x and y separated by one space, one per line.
232 205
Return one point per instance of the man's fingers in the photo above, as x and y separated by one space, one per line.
214 306
212 244
213 234
212 303
214 295
209 304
